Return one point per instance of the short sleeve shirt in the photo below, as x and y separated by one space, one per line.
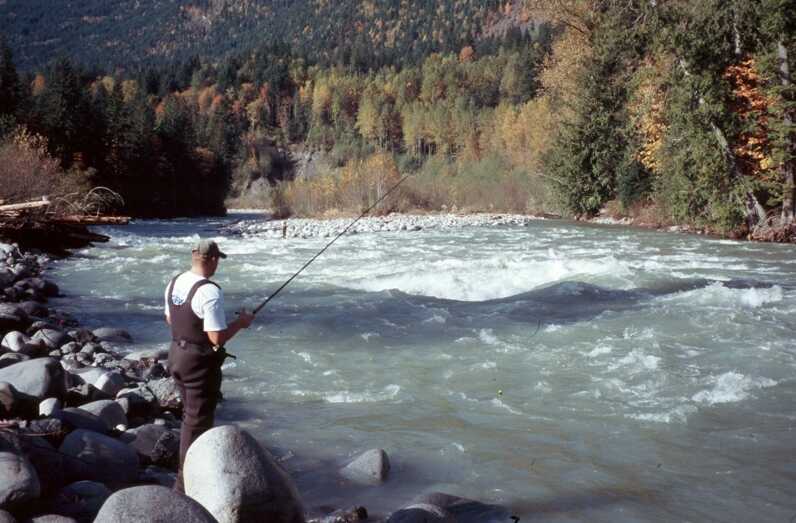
207 302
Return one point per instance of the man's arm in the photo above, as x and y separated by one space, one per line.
220 338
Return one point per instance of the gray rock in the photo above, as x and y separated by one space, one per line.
235 479
143 438
166 451
85 393
155 372
48 406
103 359
34 308
142 402
81 500
372 466
108 382
82 335
49 464
7 517
39 377
72 347
6 277
11 358
52 518
14 404
153 504
99 458
15 341
166 392
421 513
19 483
81 419
158 476
110 412
465 510
148 354
46 287
112 334
53 339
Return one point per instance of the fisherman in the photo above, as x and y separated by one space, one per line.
199 330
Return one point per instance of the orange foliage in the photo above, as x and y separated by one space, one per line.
466 55
38 85
752 147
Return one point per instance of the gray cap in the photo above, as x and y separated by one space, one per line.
209 249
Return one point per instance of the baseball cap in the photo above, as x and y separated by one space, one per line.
208 248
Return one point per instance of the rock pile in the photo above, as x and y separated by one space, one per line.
311 228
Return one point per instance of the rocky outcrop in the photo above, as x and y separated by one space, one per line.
153 504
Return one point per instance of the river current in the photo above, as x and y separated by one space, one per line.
568 372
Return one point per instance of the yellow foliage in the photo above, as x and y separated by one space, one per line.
647 112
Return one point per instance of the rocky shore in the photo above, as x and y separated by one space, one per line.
89 430
325 228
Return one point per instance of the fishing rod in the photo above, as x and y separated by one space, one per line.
364 213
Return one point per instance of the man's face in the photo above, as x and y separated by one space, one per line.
212 265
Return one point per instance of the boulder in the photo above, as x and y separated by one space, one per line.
144 438
81 500
421 513
166 392
48 406
142 402
85 393
19 483
15 404
108 382
11 358
110 412
157 354
158 476
15 341
46 287
7 517
234 478
465 510
49 464
82 335
80 419
52 518
156 371
12 317
99 458
39 377
166 451
112 334
53 339
72 347
372 466
153 504
6 277
34 308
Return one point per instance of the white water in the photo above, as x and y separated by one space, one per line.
571 373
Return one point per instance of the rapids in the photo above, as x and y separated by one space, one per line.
569 372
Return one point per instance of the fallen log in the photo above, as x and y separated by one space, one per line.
92 220
40 204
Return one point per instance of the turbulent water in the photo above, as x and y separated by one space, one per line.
568 372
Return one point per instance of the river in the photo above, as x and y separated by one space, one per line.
569 372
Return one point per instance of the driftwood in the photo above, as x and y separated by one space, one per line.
40 225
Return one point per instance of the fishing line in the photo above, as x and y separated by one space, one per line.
365 212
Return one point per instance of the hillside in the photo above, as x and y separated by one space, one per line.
368 33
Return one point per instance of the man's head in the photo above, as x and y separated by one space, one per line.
204 257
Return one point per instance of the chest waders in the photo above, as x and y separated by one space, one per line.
196 368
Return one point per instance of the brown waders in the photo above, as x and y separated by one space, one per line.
196 368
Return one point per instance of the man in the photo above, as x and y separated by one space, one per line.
199 330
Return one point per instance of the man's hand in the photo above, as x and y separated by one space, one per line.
246 318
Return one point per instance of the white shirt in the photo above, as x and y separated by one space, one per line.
207 303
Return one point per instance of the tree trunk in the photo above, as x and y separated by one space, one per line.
787 168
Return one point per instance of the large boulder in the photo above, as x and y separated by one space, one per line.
52 518
144 438
81 500
112 334
166 392
371 467
39 377
53 339
34 309
464 510
12 317
49 464
153 504
12 358
15 341
45 287
80 419
19 483
110 412
99 458
15 404
142 403
234 478
157 354
108 382
421 513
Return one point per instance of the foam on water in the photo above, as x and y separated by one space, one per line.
731 387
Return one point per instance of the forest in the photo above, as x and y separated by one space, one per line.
671 112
